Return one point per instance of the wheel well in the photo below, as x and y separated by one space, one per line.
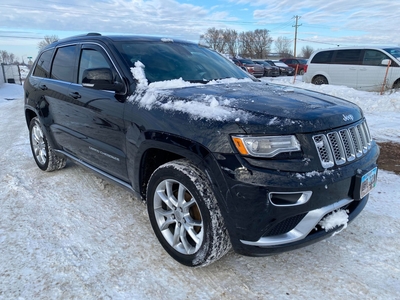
152 159
396 84
318 76
29 115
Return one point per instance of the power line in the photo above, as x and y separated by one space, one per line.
21 37
318 42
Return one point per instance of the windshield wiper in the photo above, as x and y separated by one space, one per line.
204 81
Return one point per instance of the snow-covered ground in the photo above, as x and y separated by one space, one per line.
70 235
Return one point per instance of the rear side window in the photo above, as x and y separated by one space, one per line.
42 68
323 57
63 64
348 57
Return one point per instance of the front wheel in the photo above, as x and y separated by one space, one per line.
45 157
184 214
396 85
318 80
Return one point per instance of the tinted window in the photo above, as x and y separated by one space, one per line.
91 59
42 68
323 57
350 57
374 57
63 64
247 61
170 60
393 51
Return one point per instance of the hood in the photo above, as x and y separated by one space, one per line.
265 108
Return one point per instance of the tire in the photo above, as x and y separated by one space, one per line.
185 216
396 85
301 72
45 157
319 79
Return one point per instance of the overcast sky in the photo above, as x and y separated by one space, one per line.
23 24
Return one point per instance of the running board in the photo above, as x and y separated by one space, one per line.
101 173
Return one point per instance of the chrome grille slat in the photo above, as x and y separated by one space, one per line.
339 147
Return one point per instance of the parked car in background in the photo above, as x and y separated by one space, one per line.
254 69
269 70
296 63
363 68
284 69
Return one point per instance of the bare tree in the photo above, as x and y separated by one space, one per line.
261 43
214 38
4 57
11 58
48 39
231 41
306 51
283 46
254 44
246 44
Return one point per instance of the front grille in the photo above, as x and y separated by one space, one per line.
345 145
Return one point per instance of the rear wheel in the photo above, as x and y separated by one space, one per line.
301 72
184 214
45 157
318 80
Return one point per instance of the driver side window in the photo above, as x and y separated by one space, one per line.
374 57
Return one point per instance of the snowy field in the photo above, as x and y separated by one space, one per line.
70 235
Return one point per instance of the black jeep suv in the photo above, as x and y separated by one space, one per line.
221 159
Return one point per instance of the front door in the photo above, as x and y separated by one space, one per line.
90 122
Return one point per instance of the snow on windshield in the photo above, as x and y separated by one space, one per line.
203 106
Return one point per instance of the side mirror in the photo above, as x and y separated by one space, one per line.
101 79
385 62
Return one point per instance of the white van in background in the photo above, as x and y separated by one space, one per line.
362 68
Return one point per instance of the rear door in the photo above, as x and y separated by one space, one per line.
345 66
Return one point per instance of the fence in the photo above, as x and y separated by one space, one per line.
11 74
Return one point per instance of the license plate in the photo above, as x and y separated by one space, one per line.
368 182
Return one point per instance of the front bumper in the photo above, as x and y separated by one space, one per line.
259 226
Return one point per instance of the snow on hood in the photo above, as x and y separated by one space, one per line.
244 101
206 106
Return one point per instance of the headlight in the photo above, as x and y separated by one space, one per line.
265 146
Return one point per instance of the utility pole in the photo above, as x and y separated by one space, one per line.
295 32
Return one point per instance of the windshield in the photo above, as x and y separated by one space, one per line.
393 51
247 61
170 60
280 64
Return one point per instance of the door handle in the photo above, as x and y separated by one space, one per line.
75 95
